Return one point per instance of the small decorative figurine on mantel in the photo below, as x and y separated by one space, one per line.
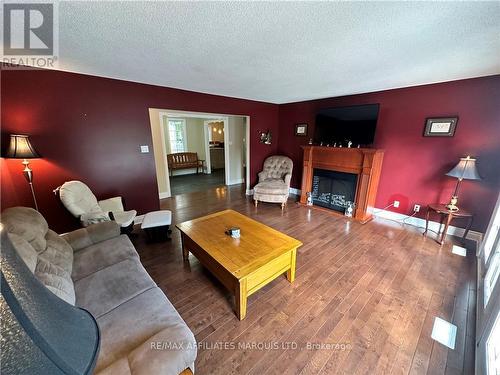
349 144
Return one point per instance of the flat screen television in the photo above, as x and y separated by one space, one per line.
343 124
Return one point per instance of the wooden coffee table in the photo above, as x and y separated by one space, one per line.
243 265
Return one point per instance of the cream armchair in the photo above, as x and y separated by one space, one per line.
82 203
274 181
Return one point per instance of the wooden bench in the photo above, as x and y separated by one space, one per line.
184 160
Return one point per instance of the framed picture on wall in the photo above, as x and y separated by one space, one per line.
440 126
301 129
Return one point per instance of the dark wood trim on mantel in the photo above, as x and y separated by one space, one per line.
365 162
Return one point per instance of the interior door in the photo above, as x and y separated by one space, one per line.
488 299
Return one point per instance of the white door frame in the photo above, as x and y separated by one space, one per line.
176 113
164 155
226 151
207 129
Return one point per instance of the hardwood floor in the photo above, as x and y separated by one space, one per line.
363 301
189 183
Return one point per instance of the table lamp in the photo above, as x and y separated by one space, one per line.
20 147
464 170
41 333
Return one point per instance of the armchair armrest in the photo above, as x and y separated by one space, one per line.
95 233
262 176
111 204
288 177
94 218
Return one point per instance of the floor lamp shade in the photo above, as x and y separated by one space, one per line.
41 333
20 147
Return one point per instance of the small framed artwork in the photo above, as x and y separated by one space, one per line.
440 127
301 129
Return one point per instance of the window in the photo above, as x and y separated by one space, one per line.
493 350
177 135
492 237
491 276
491 257
488 318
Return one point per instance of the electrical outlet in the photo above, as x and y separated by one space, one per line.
416 208
396 204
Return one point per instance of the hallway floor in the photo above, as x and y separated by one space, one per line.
189 183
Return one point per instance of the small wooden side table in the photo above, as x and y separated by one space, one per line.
446 217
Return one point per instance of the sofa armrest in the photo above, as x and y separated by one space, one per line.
112 204
262 176
95 233
288 177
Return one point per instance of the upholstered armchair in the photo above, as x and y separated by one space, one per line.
83 204
274 181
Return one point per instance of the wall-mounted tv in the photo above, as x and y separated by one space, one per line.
340 125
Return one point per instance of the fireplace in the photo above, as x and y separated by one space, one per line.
335 175
332 189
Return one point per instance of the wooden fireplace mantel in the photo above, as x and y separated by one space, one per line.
365 162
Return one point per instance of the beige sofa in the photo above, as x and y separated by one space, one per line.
98 269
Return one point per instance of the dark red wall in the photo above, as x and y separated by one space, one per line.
414 166
90 128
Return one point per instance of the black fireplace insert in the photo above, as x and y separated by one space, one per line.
332 189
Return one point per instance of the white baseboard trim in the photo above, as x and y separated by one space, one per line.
236 182
138 219
183 172
433 225
249 192
164 195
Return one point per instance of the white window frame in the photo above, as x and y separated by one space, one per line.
184 137
487 313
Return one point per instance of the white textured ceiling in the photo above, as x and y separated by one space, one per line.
281 51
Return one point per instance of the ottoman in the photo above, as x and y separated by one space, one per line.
156 225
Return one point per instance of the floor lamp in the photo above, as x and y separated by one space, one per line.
20 147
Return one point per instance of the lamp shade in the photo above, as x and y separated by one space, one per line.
465 169
41 333
20 147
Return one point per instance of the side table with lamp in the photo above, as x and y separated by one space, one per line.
464 170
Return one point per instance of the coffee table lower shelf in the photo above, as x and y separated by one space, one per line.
249 284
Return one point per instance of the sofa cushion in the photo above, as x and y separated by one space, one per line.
145 335
92 234
28 224
109 287
25 251
54 256
101 255
271 186
54 266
